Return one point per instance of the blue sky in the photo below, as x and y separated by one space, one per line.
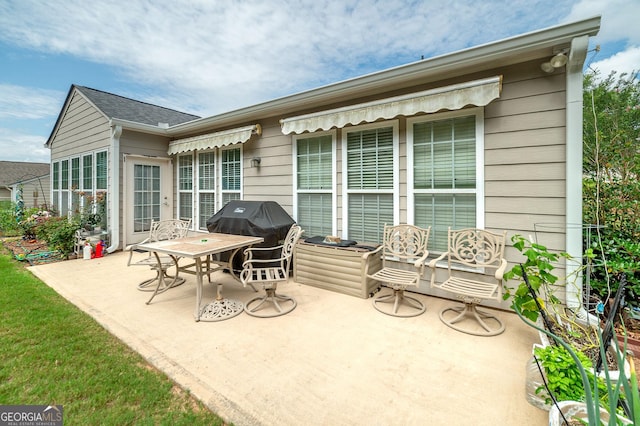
207 57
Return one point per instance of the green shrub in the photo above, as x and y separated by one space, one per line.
9 226
59 233
615 254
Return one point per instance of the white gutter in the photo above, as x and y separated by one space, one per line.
574 77
114 195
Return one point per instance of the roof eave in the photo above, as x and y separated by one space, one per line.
504 52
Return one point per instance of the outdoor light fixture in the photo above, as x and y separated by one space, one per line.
255 162
557 61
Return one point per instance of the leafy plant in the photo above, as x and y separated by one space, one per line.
538 265
59 233
562 373
607 393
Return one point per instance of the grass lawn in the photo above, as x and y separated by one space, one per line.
52 353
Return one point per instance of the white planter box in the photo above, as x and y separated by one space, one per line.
340 269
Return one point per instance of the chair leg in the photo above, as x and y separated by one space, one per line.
274 299
399 298
471 311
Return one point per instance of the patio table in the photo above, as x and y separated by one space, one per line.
200 249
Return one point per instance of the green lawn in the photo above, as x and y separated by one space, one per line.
52 353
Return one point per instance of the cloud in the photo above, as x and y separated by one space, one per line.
619 19
17 146
208 57
627 61
28 102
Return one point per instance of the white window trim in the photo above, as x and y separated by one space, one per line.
479 191
193 186
221 192
196 190
334 183
395 191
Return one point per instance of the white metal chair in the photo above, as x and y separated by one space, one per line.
269 272
408 244
472 254
160 230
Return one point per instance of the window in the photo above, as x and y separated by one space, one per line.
206 181
231 174
206 187
55 185
371 176
185 187
64 187
445 173
87 172
314 184
75 184
101 170
77 176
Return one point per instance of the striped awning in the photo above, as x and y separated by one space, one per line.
214 140
453 97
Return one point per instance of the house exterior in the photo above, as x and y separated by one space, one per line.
30 179
482 137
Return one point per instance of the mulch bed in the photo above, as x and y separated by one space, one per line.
33 252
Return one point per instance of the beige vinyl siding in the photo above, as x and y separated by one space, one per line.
273 180
82 129
525 155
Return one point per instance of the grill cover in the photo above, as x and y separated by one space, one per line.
266 219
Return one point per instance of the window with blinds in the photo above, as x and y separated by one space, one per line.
206 187
314 184
370 181
87 172
444 176
185 187
101 170
231 168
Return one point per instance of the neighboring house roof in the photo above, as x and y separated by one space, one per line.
12 172
121 108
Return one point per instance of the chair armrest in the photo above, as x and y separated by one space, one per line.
432 264
420 263
501 269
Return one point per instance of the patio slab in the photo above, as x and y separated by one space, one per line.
334 360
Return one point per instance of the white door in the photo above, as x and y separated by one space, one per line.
148 195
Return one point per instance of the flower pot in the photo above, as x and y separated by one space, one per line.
577 410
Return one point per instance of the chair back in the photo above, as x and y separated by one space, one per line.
169 229
476 248
404 242
289 244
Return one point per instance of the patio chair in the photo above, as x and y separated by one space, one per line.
269 272
160 230
406 244
475 266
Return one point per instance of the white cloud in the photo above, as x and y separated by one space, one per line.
17 146
217 56
627 61
619 18
28 102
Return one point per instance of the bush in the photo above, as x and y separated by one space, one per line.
8 224
614 255
59 233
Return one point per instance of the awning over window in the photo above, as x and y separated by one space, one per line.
214 140
454 97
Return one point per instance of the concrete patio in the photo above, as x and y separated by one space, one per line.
333 361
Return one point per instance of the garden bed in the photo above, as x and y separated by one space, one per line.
32 251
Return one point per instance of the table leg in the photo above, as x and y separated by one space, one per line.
221 308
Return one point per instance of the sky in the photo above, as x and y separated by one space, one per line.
207 57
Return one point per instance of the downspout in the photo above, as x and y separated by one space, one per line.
573 208
114 217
